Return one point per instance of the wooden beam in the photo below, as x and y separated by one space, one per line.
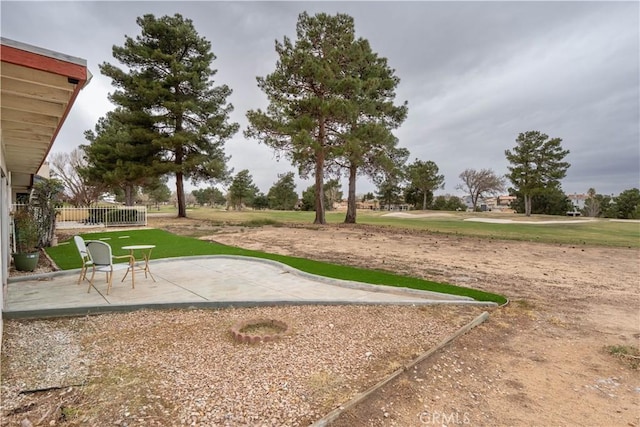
12 135
31 159
20 103
34 90
38 77
32 118
24 127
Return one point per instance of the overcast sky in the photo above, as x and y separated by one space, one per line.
475 75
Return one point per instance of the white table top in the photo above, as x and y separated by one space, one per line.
133 247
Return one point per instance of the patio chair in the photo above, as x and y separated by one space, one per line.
103 258
84 255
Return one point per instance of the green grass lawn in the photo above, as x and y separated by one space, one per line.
168 245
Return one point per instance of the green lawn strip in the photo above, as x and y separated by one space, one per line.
168 245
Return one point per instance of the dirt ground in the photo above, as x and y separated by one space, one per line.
541 360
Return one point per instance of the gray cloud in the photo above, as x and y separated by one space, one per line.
475 74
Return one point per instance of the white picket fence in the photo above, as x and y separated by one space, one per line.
107 216
99 216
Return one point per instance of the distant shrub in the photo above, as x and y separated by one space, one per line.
259 222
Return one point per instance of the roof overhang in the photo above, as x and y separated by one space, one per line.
37 90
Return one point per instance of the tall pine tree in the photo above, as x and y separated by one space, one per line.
537 166
367 145
120 155
329 97
424 177
169 79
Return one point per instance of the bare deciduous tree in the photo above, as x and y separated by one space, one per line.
66 167
479 183
592 204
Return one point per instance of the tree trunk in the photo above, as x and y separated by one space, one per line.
320 219
182 209
424 201
351 198
128 195
527 205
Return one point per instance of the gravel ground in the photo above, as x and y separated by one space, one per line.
184 368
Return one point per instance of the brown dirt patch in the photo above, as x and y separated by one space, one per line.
539 361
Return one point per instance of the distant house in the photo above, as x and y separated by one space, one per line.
395 207
498 203
372 205
38 89
577 200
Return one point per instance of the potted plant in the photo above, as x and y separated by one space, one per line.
27 238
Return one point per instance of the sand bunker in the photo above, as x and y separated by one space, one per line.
424 215
510 221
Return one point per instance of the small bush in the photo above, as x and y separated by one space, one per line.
259 222
627 353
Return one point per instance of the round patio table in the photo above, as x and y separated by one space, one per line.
146 256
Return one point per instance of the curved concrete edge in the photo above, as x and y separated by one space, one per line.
329 280
208 305
333 415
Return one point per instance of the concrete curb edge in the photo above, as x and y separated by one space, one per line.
333 415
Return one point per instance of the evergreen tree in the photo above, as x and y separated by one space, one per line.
389 192
157 192
448 203
628 204
546 201
331 193
455 203
282 195
308 198
425 178
368 196
120 154
416 197
211 196
202 195
242 190
537 166
169 81
368 155
260 201
328 94
439 203
366 142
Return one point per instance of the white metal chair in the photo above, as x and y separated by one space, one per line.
102 258
84 255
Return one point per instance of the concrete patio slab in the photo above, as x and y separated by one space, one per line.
205 281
